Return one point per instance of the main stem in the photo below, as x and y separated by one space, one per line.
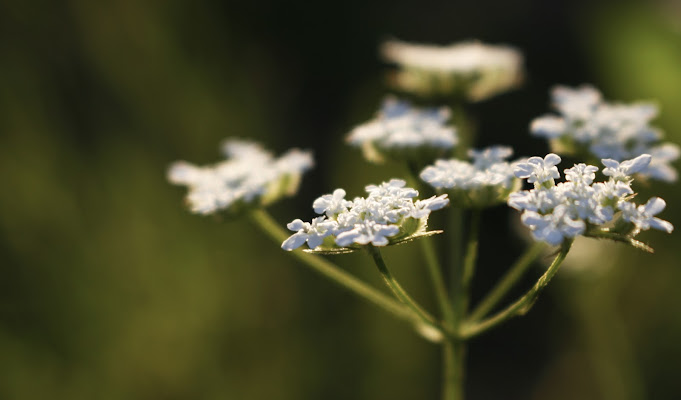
265 222
454 348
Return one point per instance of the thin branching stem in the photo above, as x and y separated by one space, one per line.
509 279
331 271
400 293
434 268
520 306
471 256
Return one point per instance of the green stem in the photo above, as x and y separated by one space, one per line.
400 293
522 305
455 230
464 129
263 220
434 267
461 271
452 348
516 271
471 256
438 280
453 377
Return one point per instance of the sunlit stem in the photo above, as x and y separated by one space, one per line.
432 263
520 306
268 225
400 293
509 279
452 348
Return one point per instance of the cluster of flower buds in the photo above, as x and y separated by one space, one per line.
580 206
403 132
388 215
250 176
485 182
587 124
470 70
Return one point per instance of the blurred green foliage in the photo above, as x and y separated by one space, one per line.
109 289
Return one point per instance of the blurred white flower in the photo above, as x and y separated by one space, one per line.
472 69
608 131
250 176
387 215
401 131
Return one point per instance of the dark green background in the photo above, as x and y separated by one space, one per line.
109 289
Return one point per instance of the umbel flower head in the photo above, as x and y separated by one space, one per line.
403 132
485 182
388 215
580 206
249 177
587 124
472 70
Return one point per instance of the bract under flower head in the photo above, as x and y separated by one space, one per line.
473 70
250 176
485 182
586 123
580 206
403 132
388 215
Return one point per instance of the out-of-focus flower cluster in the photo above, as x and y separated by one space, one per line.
472 70
486 181
588 124
403 132
250 176
388 215
580 206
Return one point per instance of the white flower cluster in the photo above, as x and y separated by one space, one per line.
401 130
486 181
579 206
388 215
472 69
607 130
249 176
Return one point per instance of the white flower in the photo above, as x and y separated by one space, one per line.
578 103
312 233
548 126
389 214
476 70
643 216
402 131
622 171
581 173
555 227
331 204
608 131
485 182
485 158
250 176
539 170
368 232
581 206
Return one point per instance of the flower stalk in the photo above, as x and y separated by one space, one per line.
522 305
394 286
266 223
